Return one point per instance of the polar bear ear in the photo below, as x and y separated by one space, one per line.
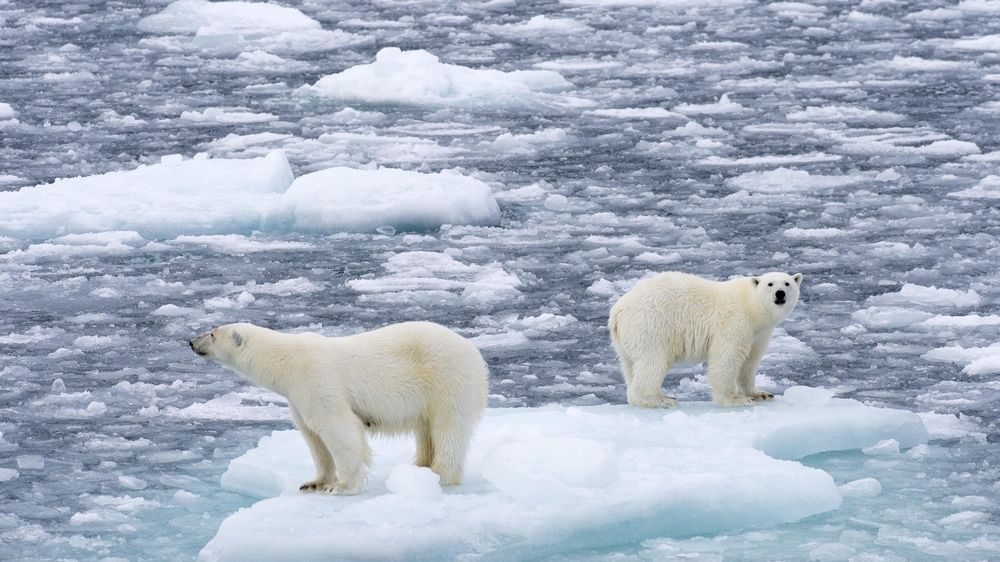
798 278
756 281
238 339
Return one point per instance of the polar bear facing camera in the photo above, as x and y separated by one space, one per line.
679 318
414 377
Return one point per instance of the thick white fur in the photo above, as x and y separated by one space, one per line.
680 318
414 377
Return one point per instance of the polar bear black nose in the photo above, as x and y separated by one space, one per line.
780 295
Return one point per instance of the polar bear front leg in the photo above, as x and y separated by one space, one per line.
326 476
725 363
748 373
344 436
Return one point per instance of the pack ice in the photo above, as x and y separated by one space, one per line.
221 196
554 479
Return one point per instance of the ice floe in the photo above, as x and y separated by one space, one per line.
541 480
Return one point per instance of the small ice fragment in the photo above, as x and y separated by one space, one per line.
7 474
58 386
863 488
386 230
132 483
556 202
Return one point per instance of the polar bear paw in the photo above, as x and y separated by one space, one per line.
735 401
319 486
761 395
655 401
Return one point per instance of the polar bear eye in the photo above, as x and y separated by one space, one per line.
770 284
786 283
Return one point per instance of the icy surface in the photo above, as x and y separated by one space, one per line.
856 142
202 196
547 479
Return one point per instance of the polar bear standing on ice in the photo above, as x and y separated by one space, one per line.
414 377
680 318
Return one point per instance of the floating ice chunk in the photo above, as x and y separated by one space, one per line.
776 160
987 188
845 114
784 180
189 16
239 406
236 26
918 64
506 339
979 7
528 143
862 488
959 354
420 78
222 116
965 519
929 297
414 482
658 259
989 365
540 27
983 43
132 482
193 196
722 107
814 233
556 202
7 474
539 478
7 112
363 200
889 317
966 321
658 114
237 244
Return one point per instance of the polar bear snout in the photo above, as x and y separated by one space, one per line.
199 344
779 297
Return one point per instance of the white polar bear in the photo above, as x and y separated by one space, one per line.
415 377
679 318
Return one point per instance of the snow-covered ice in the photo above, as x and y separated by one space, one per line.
208 196
420 78
540 480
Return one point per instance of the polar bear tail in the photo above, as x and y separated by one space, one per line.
615 342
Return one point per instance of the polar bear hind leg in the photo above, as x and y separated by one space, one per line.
645 386
450 439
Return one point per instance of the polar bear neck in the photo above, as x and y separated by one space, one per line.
268 359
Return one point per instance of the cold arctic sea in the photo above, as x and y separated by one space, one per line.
855 142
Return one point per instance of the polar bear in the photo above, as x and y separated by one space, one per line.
680 318
414 377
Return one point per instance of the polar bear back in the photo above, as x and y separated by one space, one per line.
412 370
680 314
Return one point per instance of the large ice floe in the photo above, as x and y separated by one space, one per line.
420 78
541 480
224 196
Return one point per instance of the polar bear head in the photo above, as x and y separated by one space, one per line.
777 293
222 344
